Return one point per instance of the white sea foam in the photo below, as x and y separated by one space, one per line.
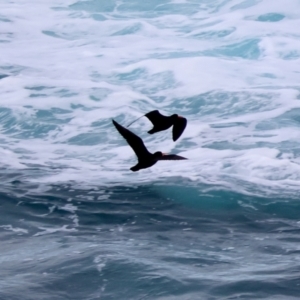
14 229
231 68
54 230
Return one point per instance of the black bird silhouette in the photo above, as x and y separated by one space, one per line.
161 122
145 158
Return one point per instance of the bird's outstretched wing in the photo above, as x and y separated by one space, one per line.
171 157
179 127
135 142
155 117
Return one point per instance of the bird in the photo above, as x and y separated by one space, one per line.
145 158
161 122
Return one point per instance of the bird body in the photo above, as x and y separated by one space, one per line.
161 122
145 158
146 162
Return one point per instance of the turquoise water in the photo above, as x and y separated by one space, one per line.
76 223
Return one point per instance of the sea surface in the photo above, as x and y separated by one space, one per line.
76 223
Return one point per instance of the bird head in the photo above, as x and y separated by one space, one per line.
158 154
174 117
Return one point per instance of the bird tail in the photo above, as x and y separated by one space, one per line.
135 121
135 168
151 131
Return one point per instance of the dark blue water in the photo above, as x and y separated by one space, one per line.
147 242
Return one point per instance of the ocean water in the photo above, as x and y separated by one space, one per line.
76 223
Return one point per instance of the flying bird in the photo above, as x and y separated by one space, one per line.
145 158
161 122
